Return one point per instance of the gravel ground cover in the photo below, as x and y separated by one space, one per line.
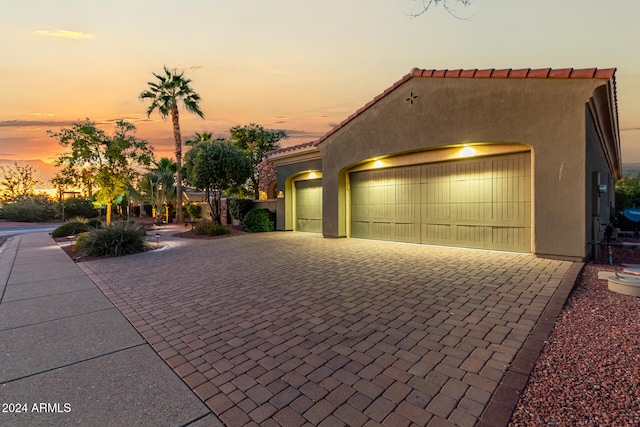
589 371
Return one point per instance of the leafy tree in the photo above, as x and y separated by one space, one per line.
164 95
99 160
213 167
78 207
18 181
254 141
627 193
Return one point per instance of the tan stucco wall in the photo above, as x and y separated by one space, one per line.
546 114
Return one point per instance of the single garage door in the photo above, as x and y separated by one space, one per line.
477 203
309 206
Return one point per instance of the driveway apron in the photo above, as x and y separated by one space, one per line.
293 329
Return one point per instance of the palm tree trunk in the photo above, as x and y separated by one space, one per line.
176 134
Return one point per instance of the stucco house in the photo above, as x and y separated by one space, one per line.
519 160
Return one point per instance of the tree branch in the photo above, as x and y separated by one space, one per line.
426 4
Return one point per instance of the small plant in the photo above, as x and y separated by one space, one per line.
208 228
70 228
258 220
94 223
194 210
116 240
238 208
76 246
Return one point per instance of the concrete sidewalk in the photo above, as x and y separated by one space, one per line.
69 357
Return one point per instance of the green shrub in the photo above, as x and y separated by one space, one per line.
76 246
194 210
94 223
208 228
38 208
119 239
79 207
258 220
238 208
70 228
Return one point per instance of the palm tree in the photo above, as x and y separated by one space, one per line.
164 95
200 137
158 186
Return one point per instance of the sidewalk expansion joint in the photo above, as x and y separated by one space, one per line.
74 363
56 319
13 261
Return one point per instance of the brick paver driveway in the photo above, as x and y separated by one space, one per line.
293 329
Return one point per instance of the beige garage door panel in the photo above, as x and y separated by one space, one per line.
383 204
479 203
309 206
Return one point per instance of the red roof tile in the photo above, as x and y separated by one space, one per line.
562 73
519 74
467 73
606 73
587 73
483 73
501 73
541 73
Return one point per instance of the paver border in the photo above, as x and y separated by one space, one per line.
500 408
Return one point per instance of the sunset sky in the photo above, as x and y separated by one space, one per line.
297 65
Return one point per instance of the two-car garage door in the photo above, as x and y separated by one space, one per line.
479 203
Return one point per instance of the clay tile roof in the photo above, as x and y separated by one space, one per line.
541 73
523 73
519 74
562 73
606 73
483 73
501 73
587 73
467 73
292 148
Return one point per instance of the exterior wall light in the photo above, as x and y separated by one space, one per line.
467 152
377 164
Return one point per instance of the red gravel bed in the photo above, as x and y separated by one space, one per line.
589 371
